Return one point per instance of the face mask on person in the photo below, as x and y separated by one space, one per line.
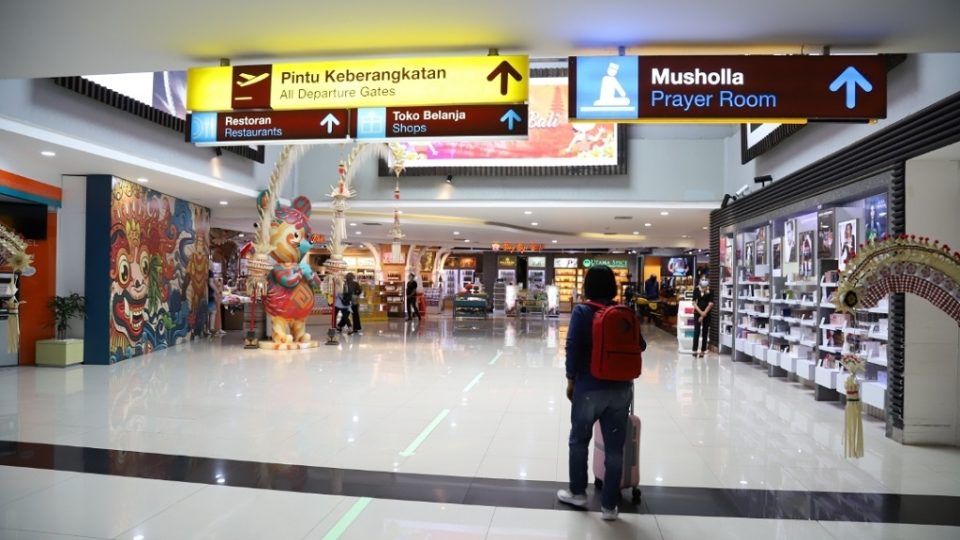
704 284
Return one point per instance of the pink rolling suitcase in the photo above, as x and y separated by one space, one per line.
631 457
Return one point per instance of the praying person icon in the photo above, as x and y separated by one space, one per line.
612 93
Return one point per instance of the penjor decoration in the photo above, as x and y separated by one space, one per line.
335 266
893 264
901 264
13 251
853 417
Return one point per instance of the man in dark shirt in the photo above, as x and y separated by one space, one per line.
412 308
702 306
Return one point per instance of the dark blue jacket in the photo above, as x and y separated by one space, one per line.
579 346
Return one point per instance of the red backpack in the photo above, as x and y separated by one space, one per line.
616 354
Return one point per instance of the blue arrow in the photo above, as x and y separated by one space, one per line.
510 117
851 78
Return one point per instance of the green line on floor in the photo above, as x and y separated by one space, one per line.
497 357
409 451
347 519
473 383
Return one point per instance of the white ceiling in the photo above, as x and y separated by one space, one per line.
573 224
64 37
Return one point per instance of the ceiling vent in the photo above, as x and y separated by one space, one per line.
371 224
623 217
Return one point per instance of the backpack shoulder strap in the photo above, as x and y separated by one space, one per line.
597 306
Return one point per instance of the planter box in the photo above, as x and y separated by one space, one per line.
59 352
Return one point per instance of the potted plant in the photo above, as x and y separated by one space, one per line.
62 352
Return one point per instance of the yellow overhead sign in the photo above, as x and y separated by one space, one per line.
343 84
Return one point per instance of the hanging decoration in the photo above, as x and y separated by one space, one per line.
853 419
13 251
901 264
395 231
335 266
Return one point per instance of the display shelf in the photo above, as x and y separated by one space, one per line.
808 342
827 305
850 331
726 310
877 360
878 336
809 323
805 369
827 377
831 349
874 393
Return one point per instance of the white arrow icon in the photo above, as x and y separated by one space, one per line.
330 120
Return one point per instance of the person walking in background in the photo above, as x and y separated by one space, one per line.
356 291
342 302
702 306
412 308
651 291
593 399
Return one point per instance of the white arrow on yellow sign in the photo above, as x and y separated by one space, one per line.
387 82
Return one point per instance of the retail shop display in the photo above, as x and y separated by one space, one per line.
783 315
13 252
685 319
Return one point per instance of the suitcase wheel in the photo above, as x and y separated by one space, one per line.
598 483
635 494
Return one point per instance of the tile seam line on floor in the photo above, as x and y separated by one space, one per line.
513 484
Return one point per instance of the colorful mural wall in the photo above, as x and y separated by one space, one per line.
159 253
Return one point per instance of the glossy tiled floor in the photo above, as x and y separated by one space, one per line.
457 398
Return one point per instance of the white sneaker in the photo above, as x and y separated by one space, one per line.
609 515
565 496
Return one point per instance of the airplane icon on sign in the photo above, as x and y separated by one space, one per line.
250 80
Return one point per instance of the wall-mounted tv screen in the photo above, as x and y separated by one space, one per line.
28 220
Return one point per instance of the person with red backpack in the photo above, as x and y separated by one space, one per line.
603 350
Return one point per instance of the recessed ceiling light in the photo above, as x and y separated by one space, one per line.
353 224
685 236
636 232
648 224
224 203
241 235
48 153
664 213
142 180
553 241
467 240
706 228
527 212
534 223
358 233
456 233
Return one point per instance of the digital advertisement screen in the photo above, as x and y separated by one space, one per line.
552 142
677 266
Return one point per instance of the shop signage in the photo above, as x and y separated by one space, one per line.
612 263
460 262
377 123
560 262
344 84
445 122
260 127
520 247
506 261
686 88
536 262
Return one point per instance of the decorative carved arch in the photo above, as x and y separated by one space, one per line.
904 264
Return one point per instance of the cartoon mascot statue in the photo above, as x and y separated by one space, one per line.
289 298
